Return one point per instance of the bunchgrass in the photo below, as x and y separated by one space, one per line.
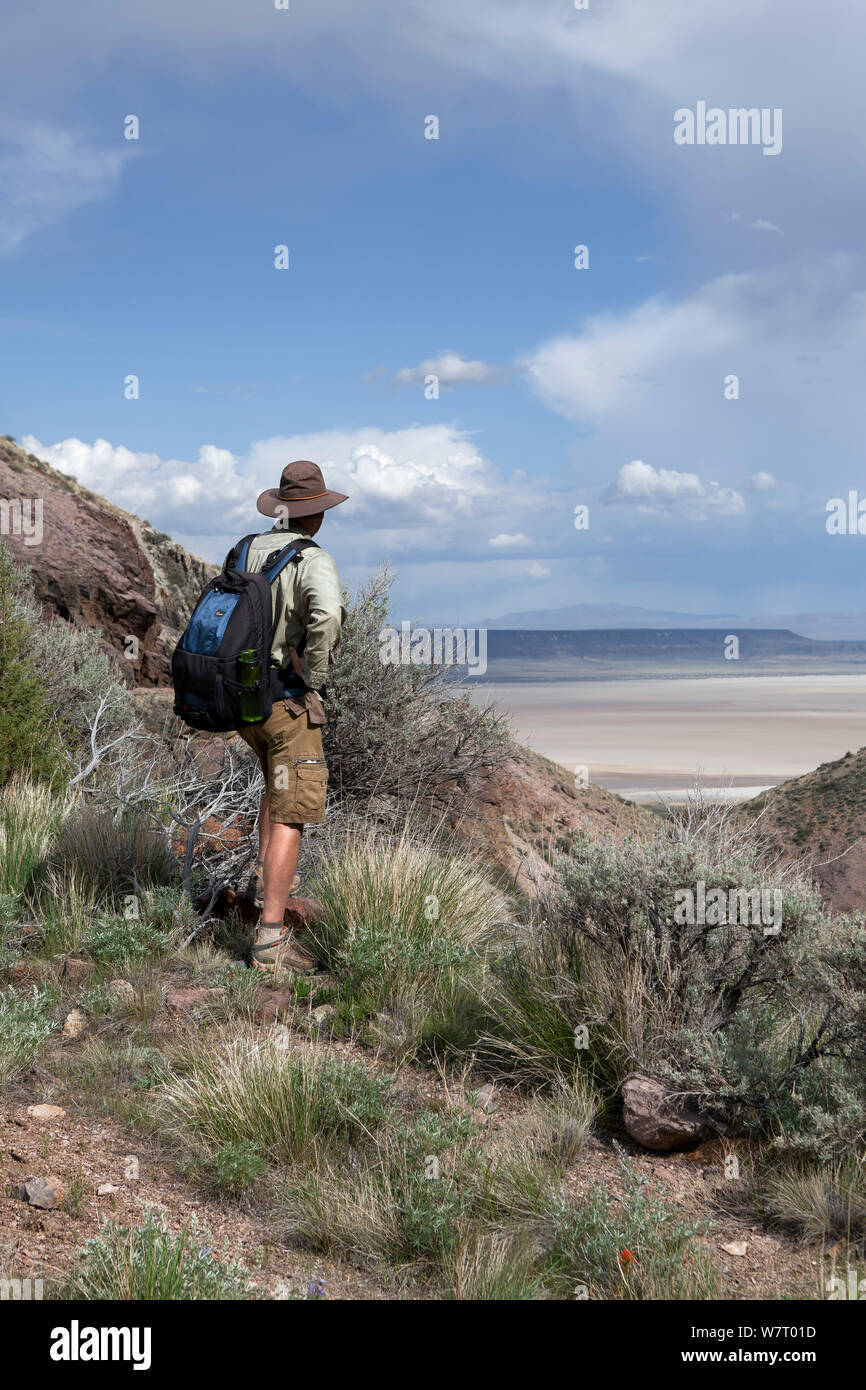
290 1105
819 1202
30 816
409 929
149 1262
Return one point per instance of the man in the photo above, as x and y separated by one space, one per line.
309 613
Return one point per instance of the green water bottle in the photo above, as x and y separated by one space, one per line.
250 677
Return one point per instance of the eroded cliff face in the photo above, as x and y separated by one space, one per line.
95 565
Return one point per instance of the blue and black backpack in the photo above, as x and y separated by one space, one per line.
233 615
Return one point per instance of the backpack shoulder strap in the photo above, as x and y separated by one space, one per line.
278 559
238 555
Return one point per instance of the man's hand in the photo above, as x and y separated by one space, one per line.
297 663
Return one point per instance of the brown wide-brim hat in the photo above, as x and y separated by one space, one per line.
302 492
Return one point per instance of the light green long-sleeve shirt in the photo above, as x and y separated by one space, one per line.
306 599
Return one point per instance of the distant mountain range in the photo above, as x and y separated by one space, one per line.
567 654
580 616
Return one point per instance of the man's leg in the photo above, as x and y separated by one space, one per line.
280 863
264 829
257 888
296 782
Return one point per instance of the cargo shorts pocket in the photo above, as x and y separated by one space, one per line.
312 788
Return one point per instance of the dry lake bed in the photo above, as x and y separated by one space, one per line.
735 735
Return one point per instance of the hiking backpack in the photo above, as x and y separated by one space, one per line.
233 615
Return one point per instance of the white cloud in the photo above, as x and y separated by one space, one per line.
45 172
505 542
761 482
621 362
759 224
451 369
625 65
537 571
665 489
430 479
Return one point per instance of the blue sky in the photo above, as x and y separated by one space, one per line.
454 256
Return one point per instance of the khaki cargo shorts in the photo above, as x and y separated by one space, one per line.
289 748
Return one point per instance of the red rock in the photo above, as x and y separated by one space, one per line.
75 969
100 567
302 912
272 1003
180 1001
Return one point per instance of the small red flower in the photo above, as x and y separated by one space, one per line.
626 1259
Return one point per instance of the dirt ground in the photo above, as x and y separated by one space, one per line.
88 1152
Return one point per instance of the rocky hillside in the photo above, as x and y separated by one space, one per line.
821 818
102 567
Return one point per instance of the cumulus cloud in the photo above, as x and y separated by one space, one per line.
535 570
429 479
761 482
505 542
452 370
45 172
667 490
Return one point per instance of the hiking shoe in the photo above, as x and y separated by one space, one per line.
293 957
282 952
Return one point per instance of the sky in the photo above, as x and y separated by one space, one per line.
695 382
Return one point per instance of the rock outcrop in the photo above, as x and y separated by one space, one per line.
820 820
98 566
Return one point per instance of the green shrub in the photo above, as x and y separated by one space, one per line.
636 1247
494 1224
399 730
150 1263
235 1167
25 1023
767 1029
32 737
56 684
116 940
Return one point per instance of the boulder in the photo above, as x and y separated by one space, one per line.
181 1001
122 990
272 1003
46 1112
44 1193
661 1119
74 1024
302 912
75 969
